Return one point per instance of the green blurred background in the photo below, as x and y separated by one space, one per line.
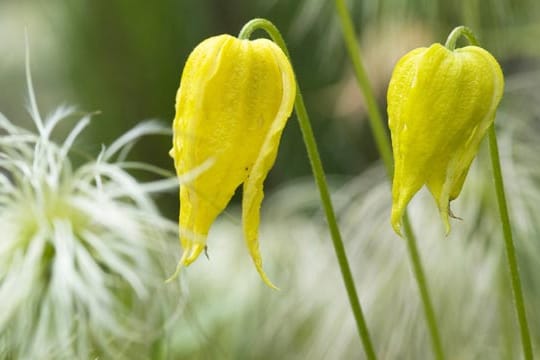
124 59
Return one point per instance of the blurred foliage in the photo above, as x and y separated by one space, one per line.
133 56
231 315
124 59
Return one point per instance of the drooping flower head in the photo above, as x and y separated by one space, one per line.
441 102
234 99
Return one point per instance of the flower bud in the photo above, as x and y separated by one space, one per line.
234 100
441 102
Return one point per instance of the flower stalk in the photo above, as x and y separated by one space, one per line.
519 303
515 279
385 150
517 291
318 173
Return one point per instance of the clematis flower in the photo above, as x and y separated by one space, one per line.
441 102
234 100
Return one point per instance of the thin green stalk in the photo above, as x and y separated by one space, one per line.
515 279
511 258
385 149
320 179
375 118
456 33
421 280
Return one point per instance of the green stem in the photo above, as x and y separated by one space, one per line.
456 33
375 118
519 303
421 280
511 258
318 173
385 149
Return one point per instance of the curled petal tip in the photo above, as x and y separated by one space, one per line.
253 247
396 225
265 278
176 273
196 250
397 229
191 252
445 218
396 219
446 227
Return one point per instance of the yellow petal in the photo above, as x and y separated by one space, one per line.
234 99
440 105
283 85
404 187
195 219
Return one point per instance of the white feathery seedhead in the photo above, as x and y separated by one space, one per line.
82 250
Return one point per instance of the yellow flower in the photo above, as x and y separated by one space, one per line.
234 100
440 105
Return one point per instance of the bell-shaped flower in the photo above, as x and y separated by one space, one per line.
234 100
441 102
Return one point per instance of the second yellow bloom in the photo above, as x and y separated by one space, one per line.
440 104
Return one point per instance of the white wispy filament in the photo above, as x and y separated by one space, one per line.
82 250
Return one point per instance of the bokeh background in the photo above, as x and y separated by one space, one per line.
123 59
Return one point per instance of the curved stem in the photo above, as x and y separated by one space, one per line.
318 173
385 149
456 33
511 258
515 279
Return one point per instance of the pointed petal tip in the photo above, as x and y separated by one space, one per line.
189 255
265 278
397 228
446 227
445 218
195 251
176 273
257 261
395 220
